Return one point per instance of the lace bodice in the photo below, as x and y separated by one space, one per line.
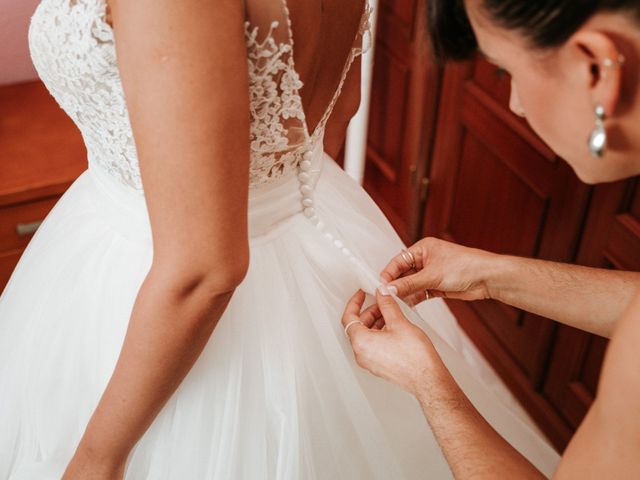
73 49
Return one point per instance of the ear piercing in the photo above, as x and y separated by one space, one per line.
610 63
598 138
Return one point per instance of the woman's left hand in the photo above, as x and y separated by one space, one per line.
399 351
84 466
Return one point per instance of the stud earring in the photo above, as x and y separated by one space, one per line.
609 63
598 137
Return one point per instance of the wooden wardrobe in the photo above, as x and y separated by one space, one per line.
446 158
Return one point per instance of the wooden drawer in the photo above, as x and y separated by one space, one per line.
18 222
8 261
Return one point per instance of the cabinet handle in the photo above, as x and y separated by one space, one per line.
413 170
26 229
424 188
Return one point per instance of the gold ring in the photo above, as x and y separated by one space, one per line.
409 259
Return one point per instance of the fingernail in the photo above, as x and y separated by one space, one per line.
393 289
384 290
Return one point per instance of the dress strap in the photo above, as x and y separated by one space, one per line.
363 34
287 15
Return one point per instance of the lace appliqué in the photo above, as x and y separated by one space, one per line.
277 141
73 50
277 116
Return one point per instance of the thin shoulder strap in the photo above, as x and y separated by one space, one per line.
287 15
353 53
363 30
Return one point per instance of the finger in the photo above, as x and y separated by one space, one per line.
389 309
370 316
408 285
399 265
379 325
353 308
394 269
416 298
355 330
414 282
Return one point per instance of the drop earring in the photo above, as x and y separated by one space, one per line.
598 137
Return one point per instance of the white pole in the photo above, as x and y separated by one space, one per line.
356 144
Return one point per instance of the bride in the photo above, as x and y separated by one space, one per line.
176 316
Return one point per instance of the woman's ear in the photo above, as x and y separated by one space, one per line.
604 62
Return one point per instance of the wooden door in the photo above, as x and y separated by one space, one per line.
611 240
494 185
403 110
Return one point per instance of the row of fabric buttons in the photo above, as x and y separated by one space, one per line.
308 203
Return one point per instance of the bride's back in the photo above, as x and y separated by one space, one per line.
298 54
324 32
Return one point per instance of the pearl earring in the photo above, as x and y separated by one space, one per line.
598 137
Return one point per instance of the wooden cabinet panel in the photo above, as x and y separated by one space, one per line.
403 110
8 261
41 154
41 150
388 110
611 240
495 185
573 374
494 188
18 222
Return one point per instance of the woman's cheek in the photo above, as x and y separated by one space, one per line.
548 114
552 117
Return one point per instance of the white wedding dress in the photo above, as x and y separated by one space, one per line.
276 393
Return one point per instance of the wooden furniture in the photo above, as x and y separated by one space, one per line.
493 184
41 154
402 117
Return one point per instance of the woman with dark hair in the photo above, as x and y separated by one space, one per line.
575 67
174 316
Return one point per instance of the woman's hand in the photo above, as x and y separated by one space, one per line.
400 352
590 299
442 269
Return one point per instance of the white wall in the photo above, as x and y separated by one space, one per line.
356 147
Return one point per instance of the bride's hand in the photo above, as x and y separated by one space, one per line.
442 269
84 466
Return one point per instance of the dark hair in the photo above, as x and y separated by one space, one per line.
545 23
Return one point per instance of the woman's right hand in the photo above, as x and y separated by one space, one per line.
442 269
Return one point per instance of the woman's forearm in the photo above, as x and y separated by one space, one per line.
590 299
169 327
473 449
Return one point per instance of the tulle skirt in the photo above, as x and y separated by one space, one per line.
276 394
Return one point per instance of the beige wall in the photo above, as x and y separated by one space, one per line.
15 62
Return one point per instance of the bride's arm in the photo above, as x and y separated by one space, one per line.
184 71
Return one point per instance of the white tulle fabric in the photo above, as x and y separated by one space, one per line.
276 393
